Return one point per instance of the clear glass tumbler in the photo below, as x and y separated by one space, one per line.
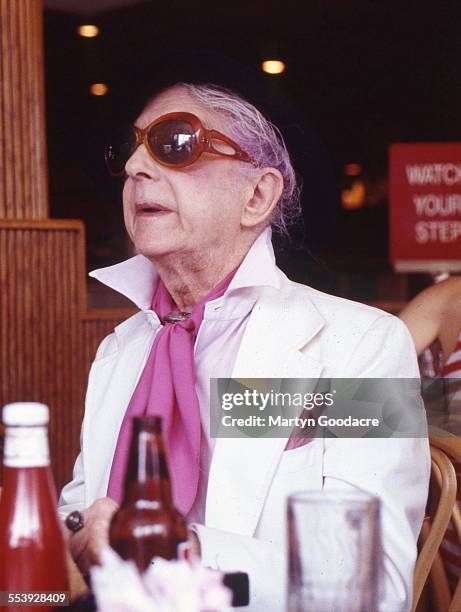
334 552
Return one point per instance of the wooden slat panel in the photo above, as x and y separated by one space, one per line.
23 168
47 340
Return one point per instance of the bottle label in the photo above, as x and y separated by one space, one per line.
26 447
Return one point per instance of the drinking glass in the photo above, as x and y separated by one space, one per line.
334 552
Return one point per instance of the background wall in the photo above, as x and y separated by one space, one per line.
359 75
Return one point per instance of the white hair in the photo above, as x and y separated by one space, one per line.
258 137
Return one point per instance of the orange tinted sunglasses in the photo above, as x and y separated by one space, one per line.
175 140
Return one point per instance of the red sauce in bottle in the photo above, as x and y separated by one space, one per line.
32 552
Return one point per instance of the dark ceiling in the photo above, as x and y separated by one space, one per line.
365 73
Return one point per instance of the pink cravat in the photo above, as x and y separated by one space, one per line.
166 388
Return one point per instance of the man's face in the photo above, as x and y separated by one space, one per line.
202 203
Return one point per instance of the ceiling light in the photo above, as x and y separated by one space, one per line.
88 30
355 197
273 66
352 169
99 89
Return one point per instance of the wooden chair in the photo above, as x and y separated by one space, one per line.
451 446
445 449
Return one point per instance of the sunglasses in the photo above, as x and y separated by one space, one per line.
175 140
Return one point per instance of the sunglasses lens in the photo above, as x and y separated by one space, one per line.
119 150
172 141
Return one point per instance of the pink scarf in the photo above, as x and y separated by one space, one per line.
166 389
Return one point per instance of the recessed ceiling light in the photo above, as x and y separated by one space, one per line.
352 169
99 89
273 66
88 30
355 197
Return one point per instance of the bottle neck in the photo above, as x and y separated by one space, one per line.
26 447
147 476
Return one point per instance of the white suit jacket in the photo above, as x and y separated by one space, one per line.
293 332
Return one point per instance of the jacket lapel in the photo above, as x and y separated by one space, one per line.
109 398
281 325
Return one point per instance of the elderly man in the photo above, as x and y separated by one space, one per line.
206 175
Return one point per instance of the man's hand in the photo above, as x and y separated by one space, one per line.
86 544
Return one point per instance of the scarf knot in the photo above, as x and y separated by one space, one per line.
166 389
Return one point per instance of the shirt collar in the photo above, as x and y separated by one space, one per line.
136 278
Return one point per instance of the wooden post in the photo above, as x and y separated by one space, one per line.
23 170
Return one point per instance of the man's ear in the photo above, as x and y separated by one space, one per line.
267 190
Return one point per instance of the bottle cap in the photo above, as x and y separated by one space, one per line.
25 413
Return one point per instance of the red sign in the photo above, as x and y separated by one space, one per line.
425 206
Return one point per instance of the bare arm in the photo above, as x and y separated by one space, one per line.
435 313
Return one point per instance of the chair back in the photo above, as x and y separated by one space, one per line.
445 449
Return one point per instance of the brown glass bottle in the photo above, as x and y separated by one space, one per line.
147 524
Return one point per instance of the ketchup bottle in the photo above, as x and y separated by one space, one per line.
32 552
147 524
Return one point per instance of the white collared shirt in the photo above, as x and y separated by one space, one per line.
220 333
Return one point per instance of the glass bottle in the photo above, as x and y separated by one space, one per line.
147 524
32 551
